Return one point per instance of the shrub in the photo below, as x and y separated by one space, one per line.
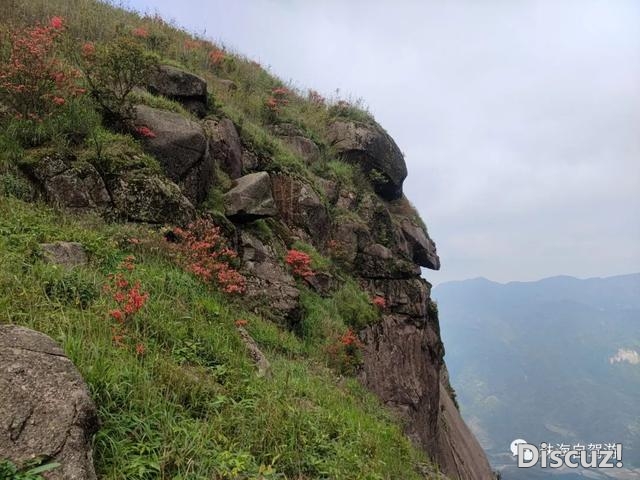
129 299
300 263
203 250
113 70
34 82
345 353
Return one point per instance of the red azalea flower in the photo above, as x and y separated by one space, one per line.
57 23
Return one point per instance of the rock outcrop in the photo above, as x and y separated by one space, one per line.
46 408
183 87
268 283
370 147
251 198
225 146
70 184
182 148
364 223
137 195
150 199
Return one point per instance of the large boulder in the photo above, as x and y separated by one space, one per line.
420 245
369 146
251 198
225 146
182 148
301 207
183 87
46 407
150 198
70 184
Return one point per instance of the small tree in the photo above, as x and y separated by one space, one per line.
113 70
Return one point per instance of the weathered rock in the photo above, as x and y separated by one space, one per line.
70 184
45 404
259 358
251 198
183 87
347 238
268 283
250 161
225 146
377 261
65 254
304 147
421 247
226 84
369 146
401 366
298 142
403 296
181 147
301 207
151 199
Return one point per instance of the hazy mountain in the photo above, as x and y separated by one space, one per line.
557 360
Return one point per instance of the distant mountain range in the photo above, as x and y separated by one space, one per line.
557 360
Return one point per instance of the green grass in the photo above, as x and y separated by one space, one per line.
193 406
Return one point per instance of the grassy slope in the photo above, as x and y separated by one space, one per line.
192 406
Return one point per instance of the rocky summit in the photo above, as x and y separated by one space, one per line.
223 220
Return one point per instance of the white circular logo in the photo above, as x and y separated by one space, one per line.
527 454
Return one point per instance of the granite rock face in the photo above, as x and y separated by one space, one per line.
251 198
45 404
181 146
181 86
370 147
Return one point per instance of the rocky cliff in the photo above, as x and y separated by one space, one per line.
187 130
361 220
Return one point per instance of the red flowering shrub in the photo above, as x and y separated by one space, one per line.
128 298
140 32
300 263
379 302
345 353
203 250
216 57
277 100
34 81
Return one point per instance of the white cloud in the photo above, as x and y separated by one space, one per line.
629 356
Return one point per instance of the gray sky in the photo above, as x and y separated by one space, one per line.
519 119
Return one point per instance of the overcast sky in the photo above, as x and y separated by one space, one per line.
520 120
